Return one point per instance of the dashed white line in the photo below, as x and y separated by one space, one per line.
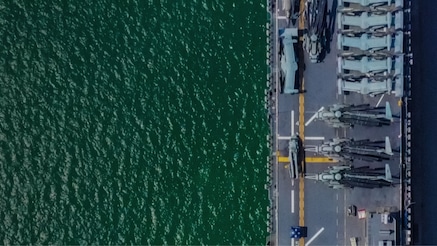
292 201
344 217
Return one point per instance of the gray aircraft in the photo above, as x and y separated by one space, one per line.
367 2
341 115
346 176
343 149
378 9
289 66
314 38
295 152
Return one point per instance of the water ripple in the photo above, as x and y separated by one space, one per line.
132 123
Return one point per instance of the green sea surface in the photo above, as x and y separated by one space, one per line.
133 122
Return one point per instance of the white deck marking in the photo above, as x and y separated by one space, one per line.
380 100
292 122
284 137
315 138
292 201
314 237
314 116
344 217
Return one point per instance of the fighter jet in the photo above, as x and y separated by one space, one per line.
350 149
315 36
346 176
340 115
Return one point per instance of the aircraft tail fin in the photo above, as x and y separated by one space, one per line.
388 149
388 176
388 114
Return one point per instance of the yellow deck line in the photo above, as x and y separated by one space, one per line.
316 159
319 159
301 179
301 133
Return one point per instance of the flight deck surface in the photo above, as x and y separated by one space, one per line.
310 203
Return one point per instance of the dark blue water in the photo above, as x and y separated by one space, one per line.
424 121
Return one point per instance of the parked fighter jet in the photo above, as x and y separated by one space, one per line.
315 36
366 20
365 65
340 115
357 53
350 149
367 2
364 86
338 177
374 9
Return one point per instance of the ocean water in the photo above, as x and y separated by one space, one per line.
423 125
132 122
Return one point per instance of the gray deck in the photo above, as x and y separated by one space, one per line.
323 207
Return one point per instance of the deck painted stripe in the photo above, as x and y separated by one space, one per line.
315 138
314 116
301 129
315 236
321 159
380 99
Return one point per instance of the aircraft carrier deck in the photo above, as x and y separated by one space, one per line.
310 203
